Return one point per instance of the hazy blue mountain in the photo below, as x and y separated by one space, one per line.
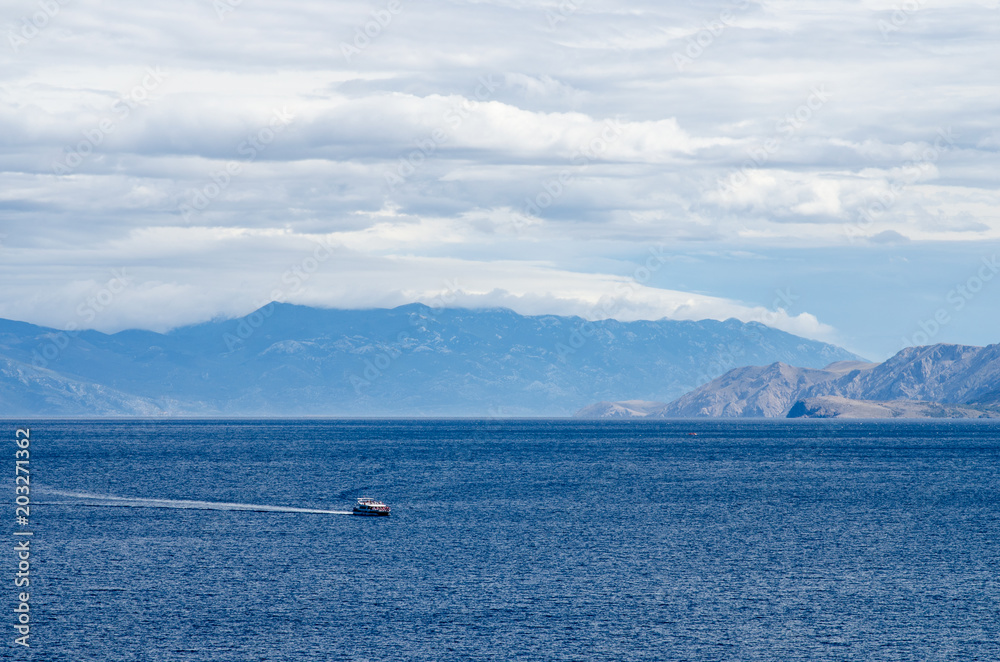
933 381
26 390
409 361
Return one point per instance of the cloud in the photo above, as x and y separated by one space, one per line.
513 137
164 283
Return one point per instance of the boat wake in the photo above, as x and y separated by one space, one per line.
100 500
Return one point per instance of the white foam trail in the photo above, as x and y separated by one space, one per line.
129 502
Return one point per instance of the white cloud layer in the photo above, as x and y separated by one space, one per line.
163 282
530 150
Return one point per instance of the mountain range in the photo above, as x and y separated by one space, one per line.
415 360
952 381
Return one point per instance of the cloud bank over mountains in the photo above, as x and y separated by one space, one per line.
536 154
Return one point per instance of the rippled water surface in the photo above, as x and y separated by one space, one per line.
524 540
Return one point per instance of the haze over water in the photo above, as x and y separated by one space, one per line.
517 540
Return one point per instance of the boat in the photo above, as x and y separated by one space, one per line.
370 507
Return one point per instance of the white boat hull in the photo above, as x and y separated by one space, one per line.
368 507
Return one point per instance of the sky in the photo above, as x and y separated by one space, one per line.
828 168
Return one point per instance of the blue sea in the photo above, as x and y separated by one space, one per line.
512 540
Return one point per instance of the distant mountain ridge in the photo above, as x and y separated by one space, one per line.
23 387
289 360
934 381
